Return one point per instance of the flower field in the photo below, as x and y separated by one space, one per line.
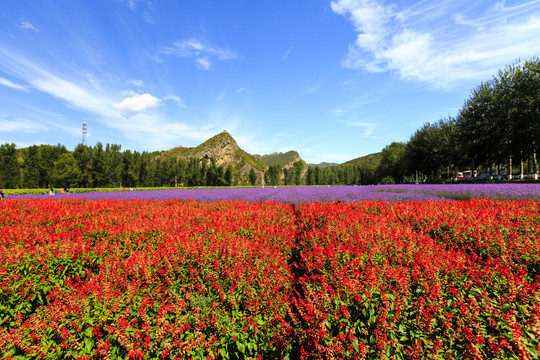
173 278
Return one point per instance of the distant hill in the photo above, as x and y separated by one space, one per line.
284 160
371 161
224 149
323 165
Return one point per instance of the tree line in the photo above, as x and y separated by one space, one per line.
45 166
497 130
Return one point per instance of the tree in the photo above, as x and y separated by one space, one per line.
100 166
252 177
49 154
83 155
130 170
228 176
298 167
113 158
9 167
30 166
500 120
272 175
393 163
422 150
66 173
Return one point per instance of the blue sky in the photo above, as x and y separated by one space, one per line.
334 80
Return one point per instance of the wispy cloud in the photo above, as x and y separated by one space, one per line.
288 52
367 126
12 85
176 99
220 96
136 82
27 25
351 108
203 54
435 43
148 9
203 63
136 103
37 77
21 125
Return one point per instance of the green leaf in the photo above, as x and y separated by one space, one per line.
241 347
88 332
89 345
223 353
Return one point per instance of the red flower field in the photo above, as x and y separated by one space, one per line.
183 279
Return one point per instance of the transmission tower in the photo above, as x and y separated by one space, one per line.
84 132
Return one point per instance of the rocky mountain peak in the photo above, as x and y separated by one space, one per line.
221 147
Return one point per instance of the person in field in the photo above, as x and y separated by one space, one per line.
1 194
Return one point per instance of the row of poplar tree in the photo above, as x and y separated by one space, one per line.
497 127
44 166
496 131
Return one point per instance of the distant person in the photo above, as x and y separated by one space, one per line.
51 192
1 194
68 189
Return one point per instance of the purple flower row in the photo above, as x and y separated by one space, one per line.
298 195
502 191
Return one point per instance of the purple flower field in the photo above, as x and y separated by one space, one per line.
298 195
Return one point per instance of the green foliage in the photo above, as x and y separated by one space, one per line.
393 162
272 175
387 180
251 160
9 166
368 162
252 177
66 172
281 159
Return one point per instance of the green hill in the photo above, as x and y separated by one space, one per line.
225 151
281 159
371 161
324 165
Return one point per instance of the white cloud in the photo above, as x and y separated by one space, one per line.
435 43
12 85
21 125
27 25
73 93
176 99
56 85
203 63
136 104
203 54
136 82
367 126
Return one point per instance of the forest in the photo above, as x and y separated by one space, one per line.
497 131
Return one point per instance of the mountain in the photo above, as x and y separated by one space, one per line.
284 160
323 165
225 151
371 161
